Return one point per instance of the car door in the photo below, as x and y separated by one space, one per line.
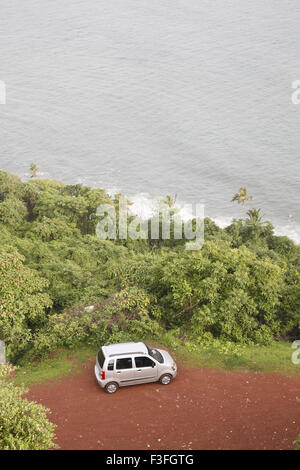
124 371
145 369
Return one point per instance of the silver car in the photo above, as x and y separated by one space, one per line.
118 365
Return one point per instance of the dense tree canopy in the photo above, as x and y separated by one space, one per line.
242 286
22 300
228 292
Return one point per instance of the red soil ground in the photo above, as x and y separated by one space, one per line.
200 409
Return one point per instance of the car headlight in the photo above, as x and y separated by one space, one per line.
174 366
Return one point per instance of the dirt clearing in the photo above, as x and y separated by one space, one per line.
201 409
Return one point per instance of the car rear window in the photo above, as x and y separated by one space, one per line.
124 363
101 358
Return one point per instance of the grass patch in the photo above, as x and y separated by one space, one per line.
275 358
60 364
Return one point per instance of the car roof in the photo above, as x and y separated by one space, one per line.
124 348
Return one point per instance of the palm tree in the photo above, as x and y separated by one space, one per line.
169 201
168 205
34 169
255 223
242 196
255 217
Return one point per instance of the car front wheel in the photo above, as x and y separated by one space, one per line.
111 387
165 379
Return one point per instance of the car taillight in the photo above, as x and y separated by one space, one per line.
102 375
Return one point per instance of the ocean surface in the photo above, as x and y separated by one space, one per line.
152 97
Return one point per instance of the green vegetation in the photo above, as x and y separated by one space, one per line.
59 364
22 304
23 424
275 358
233 304
242 196
33 169
241 288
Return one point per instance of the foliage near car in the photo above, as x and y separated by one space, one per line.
24 425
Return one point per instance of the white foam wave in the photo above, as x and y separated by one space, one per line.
290 230
144 206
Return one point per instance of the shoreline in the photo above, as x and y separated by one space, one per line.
144 202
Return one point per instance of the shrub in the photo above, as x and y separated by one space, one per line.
230 293
123 317
22 301
23 424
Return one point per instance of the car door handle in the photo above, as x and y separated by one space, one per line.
118 372
139 370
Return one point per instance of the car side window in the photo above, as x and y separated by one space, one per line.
110 365
143 361
124 363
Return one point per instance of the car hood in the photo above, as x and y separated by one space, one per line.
168 360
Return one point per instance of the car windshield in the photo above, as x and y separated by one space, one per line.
155 354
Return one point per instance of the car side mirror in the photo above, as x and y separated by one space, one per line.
153 364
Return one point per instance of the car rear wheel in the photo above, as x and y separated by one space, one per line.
111 387
165 379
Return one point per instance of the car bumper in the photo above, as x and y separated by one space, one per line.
97 375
